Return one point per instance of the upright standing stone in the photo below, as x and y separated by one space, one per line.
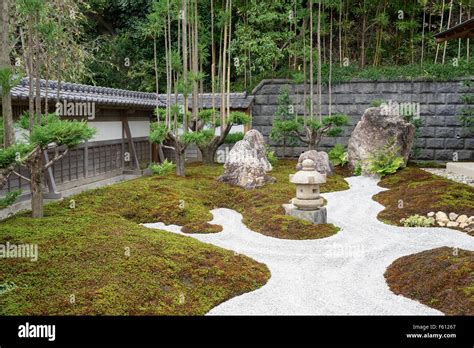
247 164
372 133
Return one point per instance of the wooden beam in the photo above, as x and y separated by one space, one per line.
49 176
462 30
131 145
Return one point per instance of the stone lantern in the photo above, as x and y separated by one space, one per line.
307 204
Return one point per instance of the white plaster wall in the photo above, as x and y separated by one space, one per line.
113 130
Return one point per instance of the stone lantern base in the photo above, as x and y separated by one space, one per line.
318 216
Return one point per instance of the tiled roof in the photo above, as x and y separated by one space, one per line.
237 100
74 92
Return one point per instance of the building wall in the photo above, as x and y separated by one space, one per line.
110 130
441 135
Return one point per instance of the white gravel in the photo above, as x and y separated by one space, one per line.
451 176
342 274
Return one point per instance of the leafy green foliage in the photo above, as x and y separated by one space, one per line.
418 123
466 113
377 102
283 128
162 169
358 169
232 138
338 155
9 199
417 221
238 117
207 115
200 138
8 80
271 157
60 132
284 124
386 160
158 132
13 153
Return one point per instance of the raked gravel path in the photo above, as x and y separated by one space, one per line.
341 274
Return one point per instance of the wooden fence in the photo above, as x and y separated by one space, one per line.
87 163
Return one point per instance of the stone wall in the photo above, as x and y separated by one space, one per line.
441 135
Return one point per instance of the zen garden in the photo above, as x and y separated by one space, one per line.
236 157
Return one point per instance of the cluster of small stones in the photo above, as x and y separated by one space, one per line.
451 176
453 220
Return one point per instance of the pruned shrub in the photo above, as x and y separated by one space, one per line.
162 169
418 221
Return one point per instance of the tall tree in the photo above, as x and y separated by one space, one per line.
6 75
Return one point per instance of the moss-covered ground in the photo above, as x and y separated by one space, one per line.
415 191
96 259
441 278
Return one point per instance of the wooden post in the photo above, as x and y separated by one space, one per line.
49 176
131 144
86 159
248 126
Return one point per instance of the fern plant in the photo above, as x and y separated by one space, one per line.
338 155
386 160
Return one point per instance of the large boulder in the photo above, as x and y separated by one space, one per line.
247 165
373 132
320 158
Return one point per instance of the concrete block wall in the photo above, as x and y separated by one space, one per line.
441 134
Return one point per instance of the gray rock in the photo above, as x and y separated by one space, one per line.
247 165
320 158
372 133
442 217
453 216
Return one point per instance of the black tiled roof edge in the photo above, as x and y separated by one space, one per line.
75 92
240 100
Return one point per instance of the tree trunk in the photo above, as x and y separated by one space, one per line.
36 172
448 26
362 45
319 66
8 136
209 152
185 65
180 158
440 30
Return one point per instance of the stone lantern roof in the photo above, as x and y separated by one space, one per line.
308 176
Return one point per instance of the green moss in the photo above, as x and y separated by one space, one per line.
438 278
413 191
98 253
201 227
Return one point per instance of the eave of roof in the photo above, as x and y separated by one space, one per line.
459 31
74 92
238 100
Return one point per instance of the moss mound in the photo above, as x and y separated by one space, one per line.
414 191
441 278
